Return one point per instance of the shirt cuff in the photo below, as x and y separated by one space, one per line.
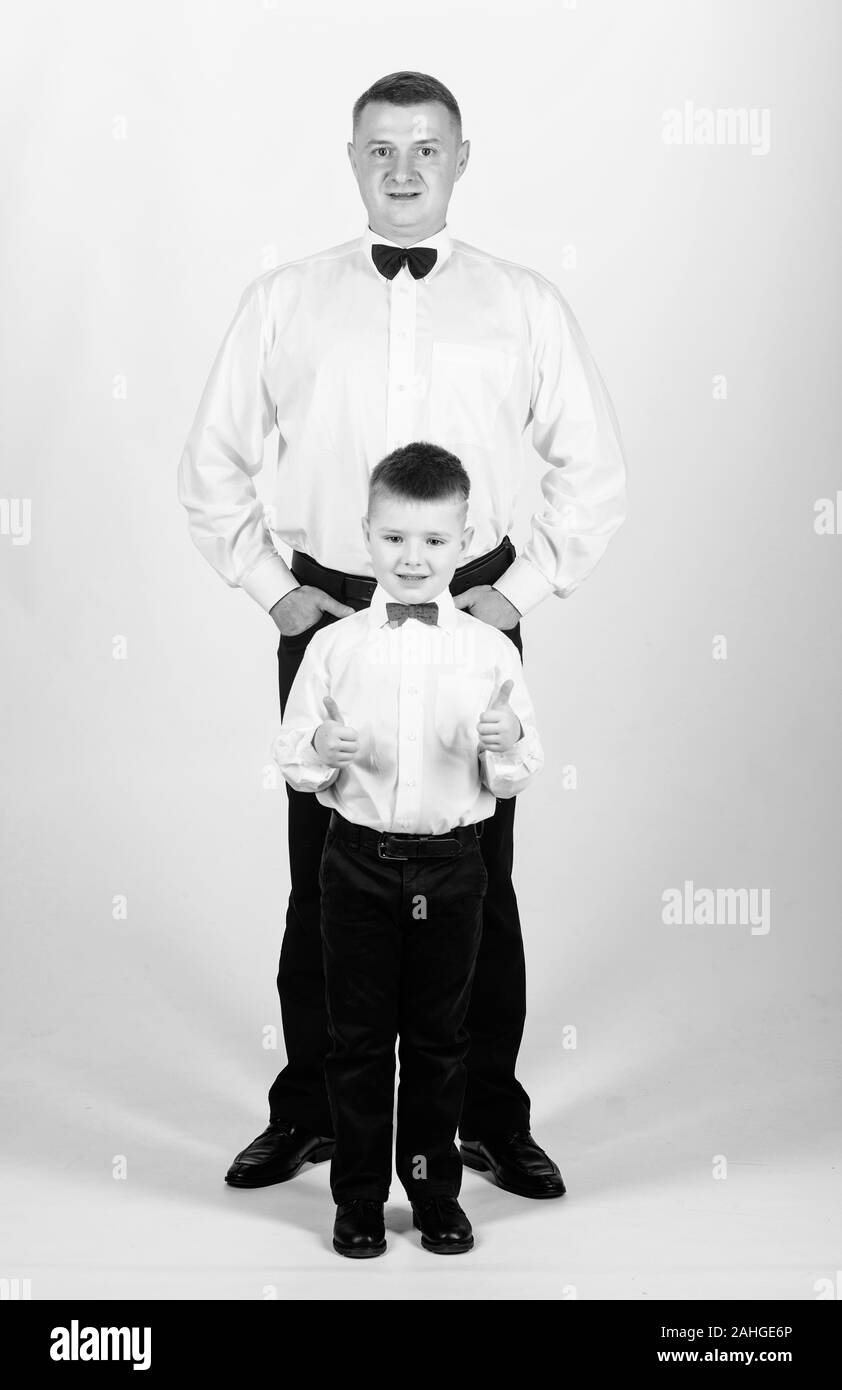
298 760
306 753
269 581
523 585
524 757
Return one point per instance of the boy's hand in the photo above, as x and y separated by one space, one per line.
335 742
499 727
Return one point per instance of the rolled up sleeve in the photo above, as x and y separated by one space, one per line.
293 749
507 774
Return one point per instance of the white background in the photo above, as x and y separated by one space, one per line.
145 777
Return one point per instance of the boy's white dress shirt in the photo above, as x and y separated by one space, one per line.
414 694
350 365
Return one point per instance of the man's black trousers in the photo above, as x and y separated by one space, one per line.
400 941
494 1102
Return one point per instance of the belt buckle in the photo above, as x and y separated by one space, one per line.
380 851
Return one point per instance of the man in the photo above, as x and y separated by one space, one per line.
402 334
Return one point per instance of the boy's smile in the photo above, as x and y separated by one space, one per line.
415 546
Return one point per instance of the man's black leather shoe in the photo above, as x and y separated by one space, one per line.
444 1227
277 1155
515 1163
359 1231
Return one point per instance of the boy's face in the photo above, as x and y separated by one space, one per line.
415 546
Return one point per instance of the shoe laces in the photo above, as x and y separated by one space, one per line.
281 1126
522 1138
439 1204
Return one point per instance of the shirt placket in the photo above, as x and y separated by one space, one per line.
410 732
403 292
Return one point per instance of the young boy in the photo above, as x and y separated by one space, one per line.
407 719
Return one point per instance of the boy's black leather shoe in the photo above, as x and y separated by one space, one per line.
359 1231
515 1163
277 1155
444 1227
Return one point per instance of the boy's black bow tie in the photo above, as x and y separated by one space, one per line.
389 259
398 613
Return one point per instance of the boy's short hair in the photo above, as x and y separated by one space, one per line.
419 472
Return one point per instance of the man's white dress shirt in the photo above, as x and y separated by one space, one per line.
350 365
414 694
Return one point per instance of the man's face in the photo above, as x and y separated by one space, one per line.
406 160
415 546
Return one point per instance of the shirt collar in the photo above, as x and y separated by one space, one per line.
377 609
439 241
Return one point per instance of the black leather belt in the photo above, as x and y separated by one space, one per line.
388 845
486 569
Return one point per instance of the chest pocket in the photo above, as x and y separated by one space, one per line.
469 384
460 700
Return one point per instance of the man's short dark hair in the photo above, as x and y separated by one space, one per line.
409 89
420 472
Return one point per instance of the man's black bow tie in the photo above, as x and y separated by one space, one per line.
389 259
398 613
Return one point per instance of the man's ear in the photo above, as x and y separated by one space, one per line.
467 537
462 158
352 155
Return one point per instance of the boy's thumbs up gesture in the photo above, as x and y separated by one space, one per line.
335 742
499 727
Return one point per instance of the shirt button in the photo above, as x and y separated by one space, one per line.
410 781
411 737
412 690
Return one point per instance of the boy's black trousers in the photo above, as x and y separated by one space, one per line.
495 1103
400 940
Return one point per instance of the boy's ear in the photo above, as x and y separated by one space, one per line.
366 532
467 537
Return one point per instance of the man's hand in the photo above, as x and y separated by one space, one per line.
302 607
335 742
489 605
499 727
